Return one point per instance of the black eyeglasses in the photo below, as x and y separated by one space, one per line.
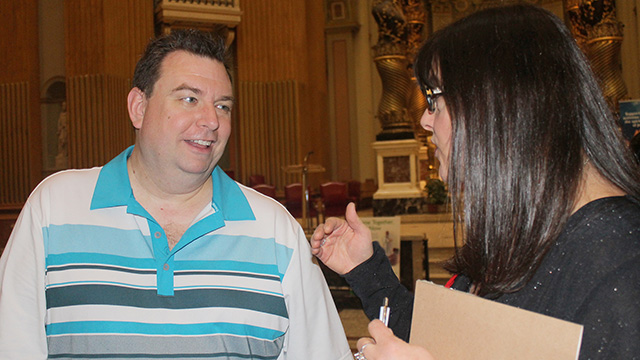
431 95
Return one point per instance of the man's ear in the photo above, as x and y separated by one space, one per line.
137 105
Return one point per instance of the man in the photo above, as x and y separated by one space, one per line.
159 254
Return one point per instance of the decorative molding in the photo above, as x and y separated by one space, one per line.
183 13
341 16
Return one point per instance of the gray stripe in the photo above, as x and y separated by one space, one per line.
145 347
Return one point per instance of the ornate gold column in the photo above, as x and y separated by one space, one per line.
391 61
416 17
599 34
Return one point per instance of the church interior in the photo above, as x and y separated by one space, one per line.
326 101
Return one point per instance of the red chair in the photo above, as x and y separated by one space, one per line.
266 189
293 201
334 198
256 179
353 191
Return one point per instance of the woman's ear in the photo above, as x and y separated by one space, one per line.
136 104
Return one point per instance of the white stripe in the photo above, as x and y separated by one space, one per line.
100 276
134 280
164 316
204 281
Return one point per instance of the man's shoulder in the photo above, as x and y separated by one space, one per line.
73 182
258 200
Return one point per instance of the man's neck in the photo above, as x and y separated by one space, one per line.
167 196
178 186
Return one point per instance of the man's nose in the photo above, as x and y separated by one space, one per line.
209 118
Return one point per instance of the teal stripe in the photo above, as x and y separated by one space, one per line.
184 299
231 247
117 327
97 239
284 255
104 245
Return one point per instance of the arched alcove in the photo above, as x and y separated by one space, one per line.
52 100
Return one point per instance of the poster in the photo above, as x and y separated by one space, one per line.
630 117
386 231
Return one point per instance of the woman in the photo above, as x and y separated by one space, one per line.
544 197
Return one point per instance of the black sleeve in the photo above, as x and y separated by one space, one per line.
372 281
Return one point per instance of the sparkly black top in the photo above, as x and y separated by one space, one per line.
590 276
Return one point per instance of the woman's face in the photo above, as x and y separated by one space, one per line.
439 123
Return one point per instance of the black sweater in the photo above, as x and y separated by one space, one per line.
590 276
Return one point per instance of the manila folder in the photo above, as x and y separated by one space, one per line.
455 325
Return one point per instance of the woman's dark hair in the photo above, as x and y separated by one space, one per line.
193 41
527 113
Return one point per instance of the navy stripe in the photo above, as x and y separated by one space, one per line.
183 299
99 267
229 273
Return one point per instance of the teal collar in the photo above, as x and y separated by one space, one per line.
114 189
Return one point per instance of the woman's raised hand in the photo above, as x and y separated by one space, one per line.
342 244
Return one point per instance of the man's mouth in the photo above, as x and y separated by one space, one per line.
206 143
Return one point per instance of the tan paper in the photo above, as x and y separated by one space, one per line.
455 325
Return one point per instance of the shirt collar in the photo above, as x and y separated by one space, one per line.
114 189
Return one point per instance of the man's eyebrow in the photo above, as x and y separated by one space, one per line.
227 98
187 87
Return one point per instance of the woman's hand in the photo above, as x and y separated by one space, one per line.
386 346
342 244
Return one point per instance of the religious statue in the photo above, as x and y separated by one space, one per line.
62 158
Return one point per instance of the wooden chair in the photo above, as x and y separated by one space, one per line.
293 201
256 179
334 198
266 189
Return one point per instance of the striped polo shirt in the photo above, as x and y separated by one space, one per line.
114 289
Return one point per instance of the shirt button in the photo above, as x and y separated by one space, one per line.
157 235
166 266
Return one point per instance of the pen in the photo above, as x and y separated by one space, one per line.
384 317
384 312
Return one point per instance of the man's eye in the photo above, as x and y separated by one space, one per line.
223 107
190 99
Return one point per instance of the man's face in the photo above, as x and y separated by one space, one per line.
186 122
